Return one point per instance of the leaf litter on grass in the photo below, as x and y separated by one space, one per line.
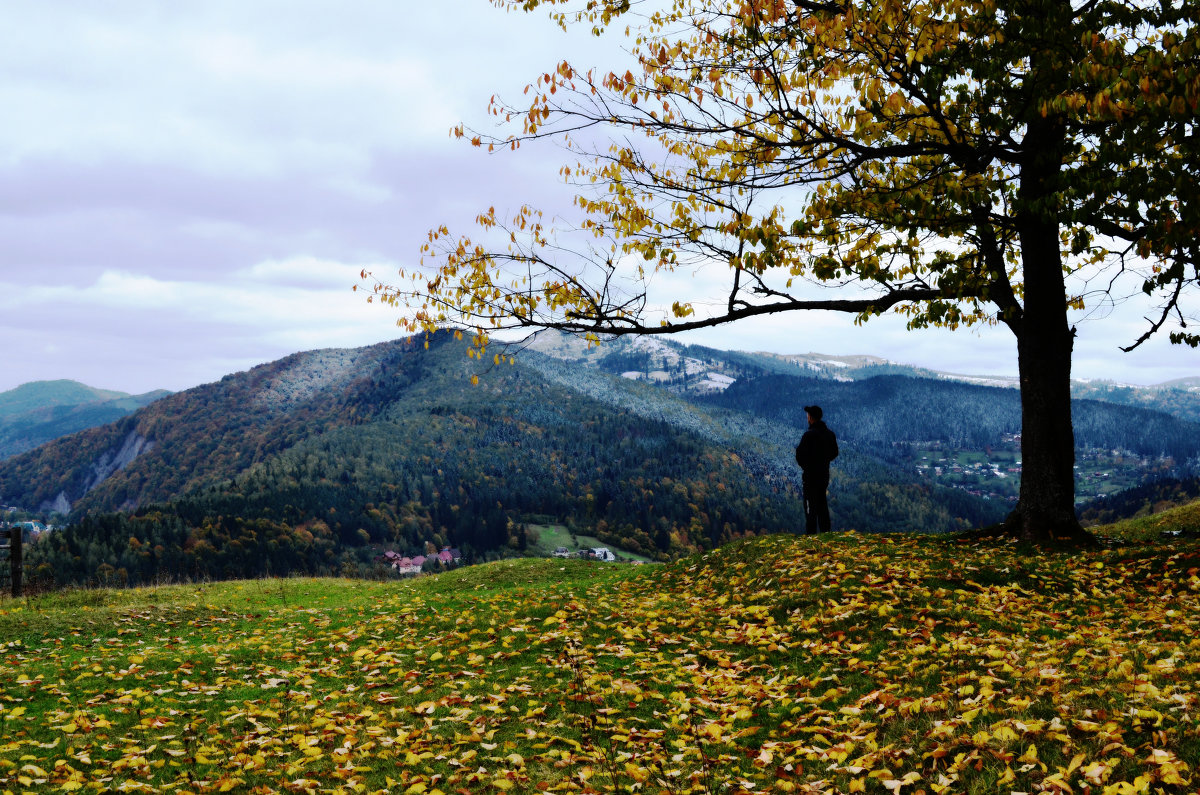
887 664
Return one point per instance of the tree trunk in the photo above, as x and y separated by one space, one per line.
1045 512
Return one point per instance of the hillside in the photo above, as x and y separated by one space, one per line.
848 663
1180 398
1167 508
317 462
417 459
314 463
693 368
946 430
38 412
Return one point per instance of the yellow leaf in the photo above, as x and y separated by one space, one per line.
1005 734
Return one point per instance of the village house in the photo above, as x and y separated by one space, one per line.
402 564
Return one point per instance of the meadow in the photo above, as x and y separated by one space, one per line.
551 536
840 663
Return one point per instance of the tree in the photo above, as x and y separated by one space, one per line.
958 162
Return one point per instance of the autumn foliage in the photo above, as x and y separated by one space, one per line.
908 149
956 162
878 664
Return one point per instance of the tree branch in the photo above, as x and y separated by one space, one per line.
1166 313
615 325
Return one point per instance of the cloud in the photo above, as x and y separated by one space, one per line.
189 189
140 324
219 85
980 350
302 292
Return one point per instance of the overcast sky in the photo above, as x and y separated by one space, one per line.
189 189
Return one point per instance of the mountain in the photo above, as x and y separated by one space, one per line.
660 361
1180 398
958 431
46 394
35 413
316 462
882 403
1191 383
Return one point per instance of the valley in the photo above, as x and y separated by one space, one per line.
994 473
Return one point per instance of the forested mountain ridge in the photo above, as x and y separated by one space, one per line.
886 410
206 433
1179 398
962 431
317 461
40 411
699 369
404 453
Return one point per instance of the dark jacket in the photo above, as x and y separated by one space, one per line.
818 446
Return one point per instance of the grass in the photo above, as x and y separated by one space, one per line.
552 536
1182 519
840 663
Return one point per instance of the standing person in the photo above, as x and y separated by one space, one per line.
818 446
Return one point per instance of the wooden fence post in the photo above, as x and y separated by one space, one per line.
15 559
13 548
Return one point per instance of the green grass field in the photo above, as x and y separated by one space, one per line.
841 663
551 536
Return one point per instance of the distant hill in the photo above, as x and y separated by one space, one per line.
1180 398
1190 383
672 364
871 401
960 431
35 413
316 462
47 394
